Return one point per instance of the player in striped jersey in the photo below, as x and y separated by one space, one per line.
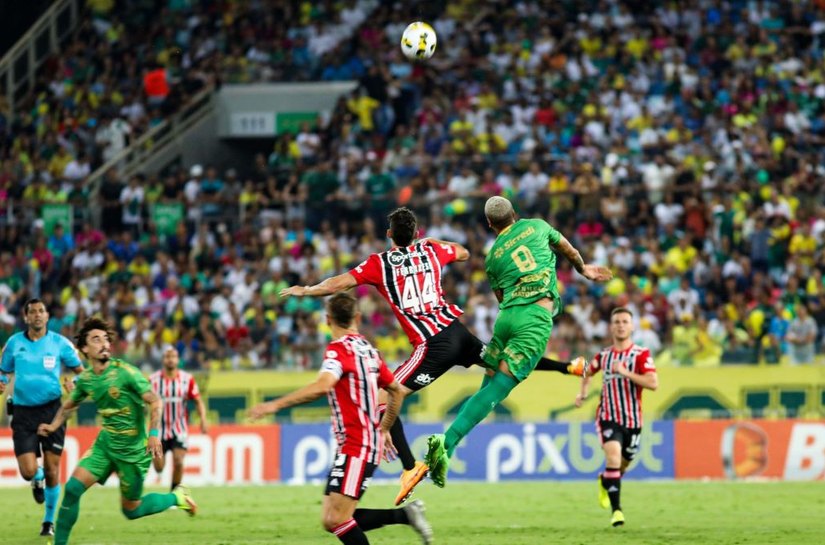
628 369
408 277
350 377
175 388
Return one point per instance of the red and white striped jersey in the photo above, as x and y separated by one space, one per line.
621 399
409 279
354 401
175 393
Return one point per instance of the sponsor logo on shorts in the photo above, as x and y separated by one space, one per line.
334 482
57 447
423 379
607 433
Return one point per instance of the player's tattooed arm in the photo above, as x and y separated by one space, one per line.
153 444
155 409
570 253
59 418
594 273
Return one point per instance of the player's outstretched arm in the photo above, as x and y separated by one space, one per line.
594 273
45 430
461 253
310 392
327 287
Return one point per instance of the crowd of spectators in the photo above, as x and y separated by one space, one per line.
681 144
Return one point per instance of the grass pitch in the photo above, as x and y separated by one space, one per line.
461 514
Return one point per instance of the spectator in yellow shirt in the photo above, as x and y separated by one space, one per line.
682 255
59 160
637 45
363 106
803 246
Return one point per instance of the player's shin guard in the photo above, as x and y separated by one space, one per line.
151 504
349 533
69 510
477 408
370 519
52 498
612 482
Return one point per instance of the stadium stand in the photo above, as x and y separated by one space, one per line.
701 187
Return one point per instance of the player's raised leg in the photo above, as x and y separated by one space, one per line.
572 367
524 331
413 471
135 504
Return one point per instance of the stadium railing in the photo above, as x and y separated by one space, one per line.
18 67
132 159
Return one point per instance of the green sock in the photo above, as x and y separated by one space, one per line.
69 510
477 408
151 504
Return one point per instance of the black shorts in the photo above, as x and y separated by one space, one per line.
434 357
629 438
349 476
24 425
174 443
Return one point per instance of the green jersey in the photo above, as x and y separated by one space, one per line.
118 394
522 265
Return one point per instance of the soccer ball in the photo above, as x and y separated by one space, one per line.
418 41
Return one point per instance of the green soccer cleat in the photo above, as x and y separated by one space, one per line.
617 519
437 460
185 501
604 498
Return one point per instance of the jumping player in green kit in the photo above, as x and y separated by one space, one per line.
120 391
521 268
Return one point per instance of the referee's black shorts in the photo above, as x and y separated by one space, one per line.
455 345
24 425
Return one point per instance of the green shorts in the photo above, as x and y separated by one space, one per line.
520 338
101 461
